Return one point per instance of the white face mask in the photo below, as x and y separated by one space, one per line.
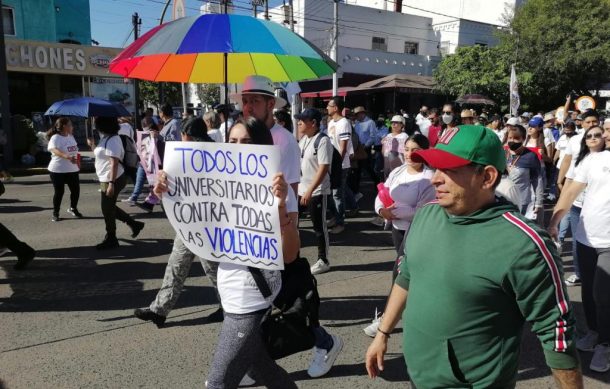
447 118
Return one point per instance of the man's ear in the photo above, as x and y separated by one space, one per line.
490 175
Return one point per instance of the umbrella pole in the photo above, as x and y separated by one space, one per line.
226 80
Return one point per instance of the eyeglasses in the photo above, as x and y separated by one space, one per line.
596 135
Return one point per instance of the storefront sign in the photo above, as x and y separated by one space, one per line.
57 58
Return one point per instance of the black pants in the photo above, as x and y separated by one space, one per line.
317 211
59 181
398 238
595 277
109 208
9 240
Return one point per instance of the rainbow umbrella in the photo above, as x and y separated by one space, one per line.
194 49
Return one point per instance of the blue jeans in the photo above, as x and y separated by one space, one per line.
140 180
564 226
574 221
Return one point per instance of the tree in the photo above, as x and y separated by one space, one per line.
149 93
562 44
556 45
475 69
209 94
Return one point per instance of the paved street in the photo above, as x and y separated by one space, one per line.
67 321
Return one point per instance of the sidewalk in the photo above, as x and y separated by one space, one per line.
87 166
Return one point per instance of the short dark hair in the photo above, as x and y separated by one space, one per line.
195 127
107 125
338 100
590 112
167 110
479 168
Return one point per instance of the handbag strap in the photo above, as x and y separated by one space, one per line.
261 283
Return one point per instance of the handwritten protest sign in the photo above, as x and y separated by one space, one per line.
220 201
149 155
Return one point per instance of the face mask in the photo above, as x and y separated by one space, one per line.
514 146
447 118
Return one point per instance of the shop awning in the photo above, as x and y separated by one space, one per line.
406 83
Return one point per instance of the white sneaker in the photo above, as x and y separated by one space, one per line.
358 196
320 267
587 342
246 381
371 329
129 201
572 280
323 360
377 221
601 359
337 229
331 223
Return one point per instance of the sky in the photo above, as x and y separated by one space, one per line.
111 19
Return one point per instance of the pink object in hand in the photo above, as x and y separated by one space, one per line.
384 195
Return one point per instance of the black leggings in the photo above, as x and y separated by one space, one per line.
59 180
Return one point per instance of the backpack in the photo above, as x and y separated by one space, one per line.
130 157
336 166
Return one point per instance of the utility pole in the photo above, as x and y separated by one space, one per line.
335 46
5 112
161 94
266 9
291 5
136 21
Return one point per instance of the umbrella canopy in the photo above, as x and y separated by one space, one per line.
192 49
87 107
475 100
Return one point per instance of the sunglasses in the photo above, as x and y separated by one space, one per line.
597 135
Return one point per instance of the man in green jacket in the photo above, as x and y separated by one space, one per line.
474 271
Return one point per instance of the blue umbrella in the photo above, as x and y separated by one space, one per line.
86 107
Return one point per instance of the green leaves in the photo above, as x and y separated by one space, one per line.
557 46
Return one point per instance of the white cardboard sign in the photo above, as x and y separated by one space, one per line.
220 201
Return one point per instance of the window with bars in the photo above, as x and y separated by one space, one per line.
8 21
411 48
379 44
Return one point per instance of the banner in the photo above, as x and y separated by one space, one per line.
515 101
220 201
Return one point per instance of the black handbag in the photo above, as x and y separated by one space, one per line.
287 330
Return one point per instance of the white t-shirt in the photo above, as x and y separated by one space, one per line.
107 148
594 226
573 149
66 145
424 126
290 154
548 137
561 146
126 129
341 130
237 288
216 135
311 161
409 192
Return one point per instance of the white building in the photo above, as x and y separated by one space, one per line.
371 41
457 22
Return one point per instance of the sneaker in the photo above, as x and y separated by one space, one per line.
377 221
331 223
136 227
55 218
74 212
320 267
246 381
572 280
587 342
371 329
25 255
601 359
337 229
358 196
147 315
129 201
108 243
148 207
323 360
